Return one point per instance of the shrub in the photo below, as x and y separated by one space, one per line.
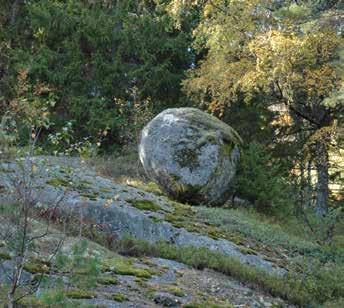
261 180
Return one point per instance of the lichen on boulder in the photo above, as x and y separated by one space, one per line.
191 155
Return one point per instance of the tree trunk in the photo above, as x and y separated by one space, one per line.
322 166
15 10
10 300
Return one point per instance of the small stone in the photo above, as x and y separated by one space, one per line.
166 300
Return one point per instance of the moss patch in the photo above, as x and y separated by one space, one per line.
187 158
197 117
34 266
174 290
31 301
80 294
119 297
189 218
107 280
58 182
227 148
145 205
105 190
247 251
207 304
5 255
124 267
90 196
148 187
323 284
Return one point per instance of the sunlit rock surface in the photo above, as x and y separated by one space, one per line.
191 155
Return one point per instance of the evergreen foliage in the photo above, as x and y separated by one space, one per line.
261 180
97 60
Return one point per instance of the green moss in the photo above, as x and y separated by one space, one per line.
37 266
316 287
338 241
176 291
5 255
57 182
260 232
247 251
213 232
105 190
208 137
90 196
80 294
148 187
83 185
227 148
107 280
211 123
207 304
119 298
187 217
31 301
156 219
6 170
124 267
145 205
176 221
141 282
187 158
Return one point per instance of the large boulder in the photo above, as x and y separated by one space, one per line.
191 155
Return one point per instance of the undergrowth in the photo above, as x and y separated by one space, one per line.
256 226
314 287
291 236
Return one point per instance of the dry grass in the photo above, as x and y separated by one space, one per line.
121 168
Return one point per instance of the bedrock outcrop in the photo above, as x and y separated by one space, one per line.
119 210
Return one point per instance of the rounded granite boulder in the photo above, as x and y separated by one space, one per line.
191 155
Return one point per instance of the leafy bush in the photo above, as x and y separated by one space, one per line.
261 180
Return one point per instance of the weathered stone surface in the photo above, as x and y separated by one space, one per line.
6 273
191 155
110 204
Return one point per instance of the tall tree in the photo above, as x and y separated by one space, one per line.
274 53
95 54
298 72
